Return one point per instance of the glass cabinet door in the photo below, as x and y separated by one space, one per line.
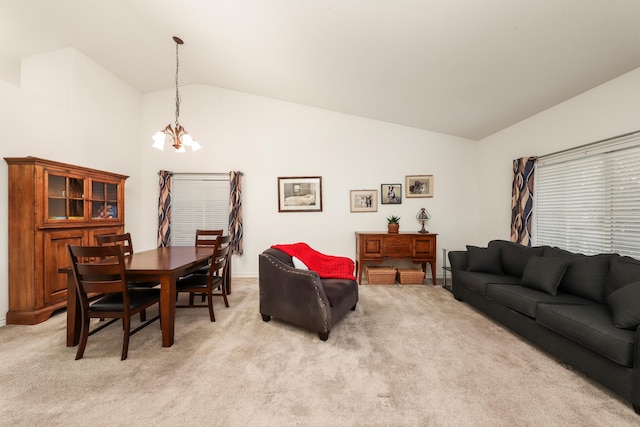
104 200
65 198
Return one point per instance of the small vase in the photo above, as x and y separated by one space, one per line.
393 228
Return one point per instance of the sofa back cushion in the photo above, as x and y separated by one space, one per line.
484 260
623 271
585 276
514 256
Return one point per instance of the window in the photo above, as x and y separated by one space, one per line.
587 200
198 201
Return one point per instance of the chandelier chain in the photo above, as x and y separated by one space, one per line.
177 90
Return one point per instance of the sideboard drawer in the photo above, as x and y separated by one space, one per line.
395 246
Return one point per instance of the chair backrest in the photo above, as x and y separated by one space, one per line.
207 237
123 240
98 269
219 264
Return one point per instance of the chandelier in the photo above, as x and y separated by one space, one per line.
176 136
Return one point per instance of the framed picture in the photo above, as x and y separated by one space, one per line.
391 194
419 185
300 194
364 200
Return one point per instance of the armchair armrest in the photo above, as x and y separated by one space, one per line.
292 295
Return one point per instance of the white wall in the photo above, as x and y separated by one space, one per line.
95 124
105 124
267 138
605 111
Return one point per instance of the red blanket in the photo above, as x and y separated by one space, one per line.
327 266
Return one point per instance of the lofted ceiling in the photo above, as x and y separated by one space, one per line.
467 68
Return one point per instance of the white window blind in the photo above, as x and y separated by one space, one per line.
198 201
588 200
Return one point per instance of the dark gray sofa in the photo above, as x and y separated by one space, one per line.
301 297
584 310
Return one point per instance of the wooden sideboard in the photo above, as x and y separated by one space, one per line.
52 204
375 247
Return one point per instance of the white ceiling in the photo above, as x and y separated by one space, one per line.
462 67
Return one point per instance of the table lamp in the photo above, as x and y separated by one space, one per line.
423 216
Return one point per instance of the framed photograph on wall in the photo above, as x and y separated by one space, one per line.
391 194
364 200
419 185
300 194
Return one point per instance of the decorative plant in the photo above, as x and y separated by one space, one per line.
393 219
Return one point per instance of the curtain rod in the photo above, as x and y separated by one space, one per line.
581 147
199 173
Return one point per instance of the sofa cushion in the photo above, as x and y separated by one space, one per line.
514 256
555 251
477 282
592 326
625 306
585 276
337 289
525 300
544 273
622 271
485 260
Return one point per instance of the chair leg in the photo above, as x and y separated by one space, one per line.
224 294
143 315
190 298
324 335
84 335
125 339
210 303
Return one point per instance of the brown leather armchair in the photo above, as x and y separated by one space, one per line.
300 296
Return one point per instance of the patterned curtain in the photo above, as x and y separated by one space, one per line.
522 200
235 212
164 209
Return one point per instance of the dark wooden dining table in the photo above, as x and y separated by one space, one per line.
163 265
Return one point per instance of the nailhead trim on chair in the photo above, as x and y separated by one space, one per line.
315 284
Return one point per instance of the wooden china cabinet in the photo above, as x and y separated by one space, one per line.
52 204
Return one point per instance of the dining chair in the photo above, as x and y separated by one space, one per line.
206 284
224 241
204 239
207 237
127 249
101 270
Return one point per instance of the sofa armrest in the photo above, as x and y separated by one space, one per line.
458 260
293 295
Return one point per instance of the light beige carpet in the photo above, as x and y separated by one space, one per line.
408 356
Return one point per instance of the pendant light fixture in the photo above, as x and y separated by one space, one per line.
176 136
